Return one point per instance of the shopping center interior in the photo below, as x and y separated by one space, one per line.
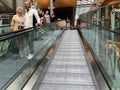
79 50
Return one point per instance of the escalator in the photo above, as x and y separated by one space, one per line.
61 66
7 10
68 68
7 6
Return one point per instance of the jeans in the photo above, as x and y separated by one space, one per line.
30 42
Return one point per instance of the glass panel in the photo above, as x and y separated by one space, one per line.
17 63
103 16
117 15
5 24
5 29
109 16
108 52
105 44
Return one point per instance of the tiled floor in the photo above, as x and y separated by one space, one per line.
68 69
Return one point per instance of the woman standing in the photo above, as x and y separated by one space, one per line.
18 24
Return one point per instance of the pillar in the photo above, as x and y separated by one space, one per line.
51 7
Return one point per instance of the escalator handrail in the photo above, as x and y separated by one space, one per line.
105 28
29 28
6 25
22 31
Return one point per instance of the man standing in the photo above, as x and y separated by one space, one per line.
29 23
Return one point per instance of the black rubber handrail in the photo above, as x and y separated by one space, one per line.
105 28
28 28
7 25
22 31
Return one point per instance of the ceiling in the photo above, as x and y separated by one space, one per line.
57 3
84 6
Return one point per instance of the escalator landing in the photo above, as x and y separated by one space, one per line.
68 69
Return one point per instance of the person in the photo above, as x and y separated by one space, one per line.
71 27
53 17
68 23
42 18
18 24
78 24
47 17
29 23
41 15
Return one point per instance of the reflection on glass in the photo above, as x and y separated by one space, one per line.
107 50
105 16
14 65
105 44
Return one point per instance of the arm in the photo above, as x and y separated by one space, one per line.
13 23
36 15
49 19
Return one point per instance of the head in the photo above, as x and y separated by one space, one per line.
27 4
43 13
46 12
19 10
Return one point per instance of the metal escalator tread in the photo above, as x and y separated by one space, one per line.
68 69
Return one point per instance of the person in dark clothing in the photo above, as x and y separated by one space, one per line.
42 18
53 17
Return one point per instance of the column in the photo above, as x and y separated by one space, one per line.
51 7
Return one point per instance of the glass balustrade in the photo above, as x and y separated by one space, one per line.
15 66
103 37
106 47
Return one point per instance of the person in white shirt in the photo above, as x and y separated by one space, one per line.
29 23
47 17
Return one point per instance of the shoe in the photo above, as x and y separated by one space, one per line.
30 56
21 55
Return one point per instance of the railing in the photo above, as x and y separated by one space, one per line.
5 21
105 46
16 70
102 34
4 29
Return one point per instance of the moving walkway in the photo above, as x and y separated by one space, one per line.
68 68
